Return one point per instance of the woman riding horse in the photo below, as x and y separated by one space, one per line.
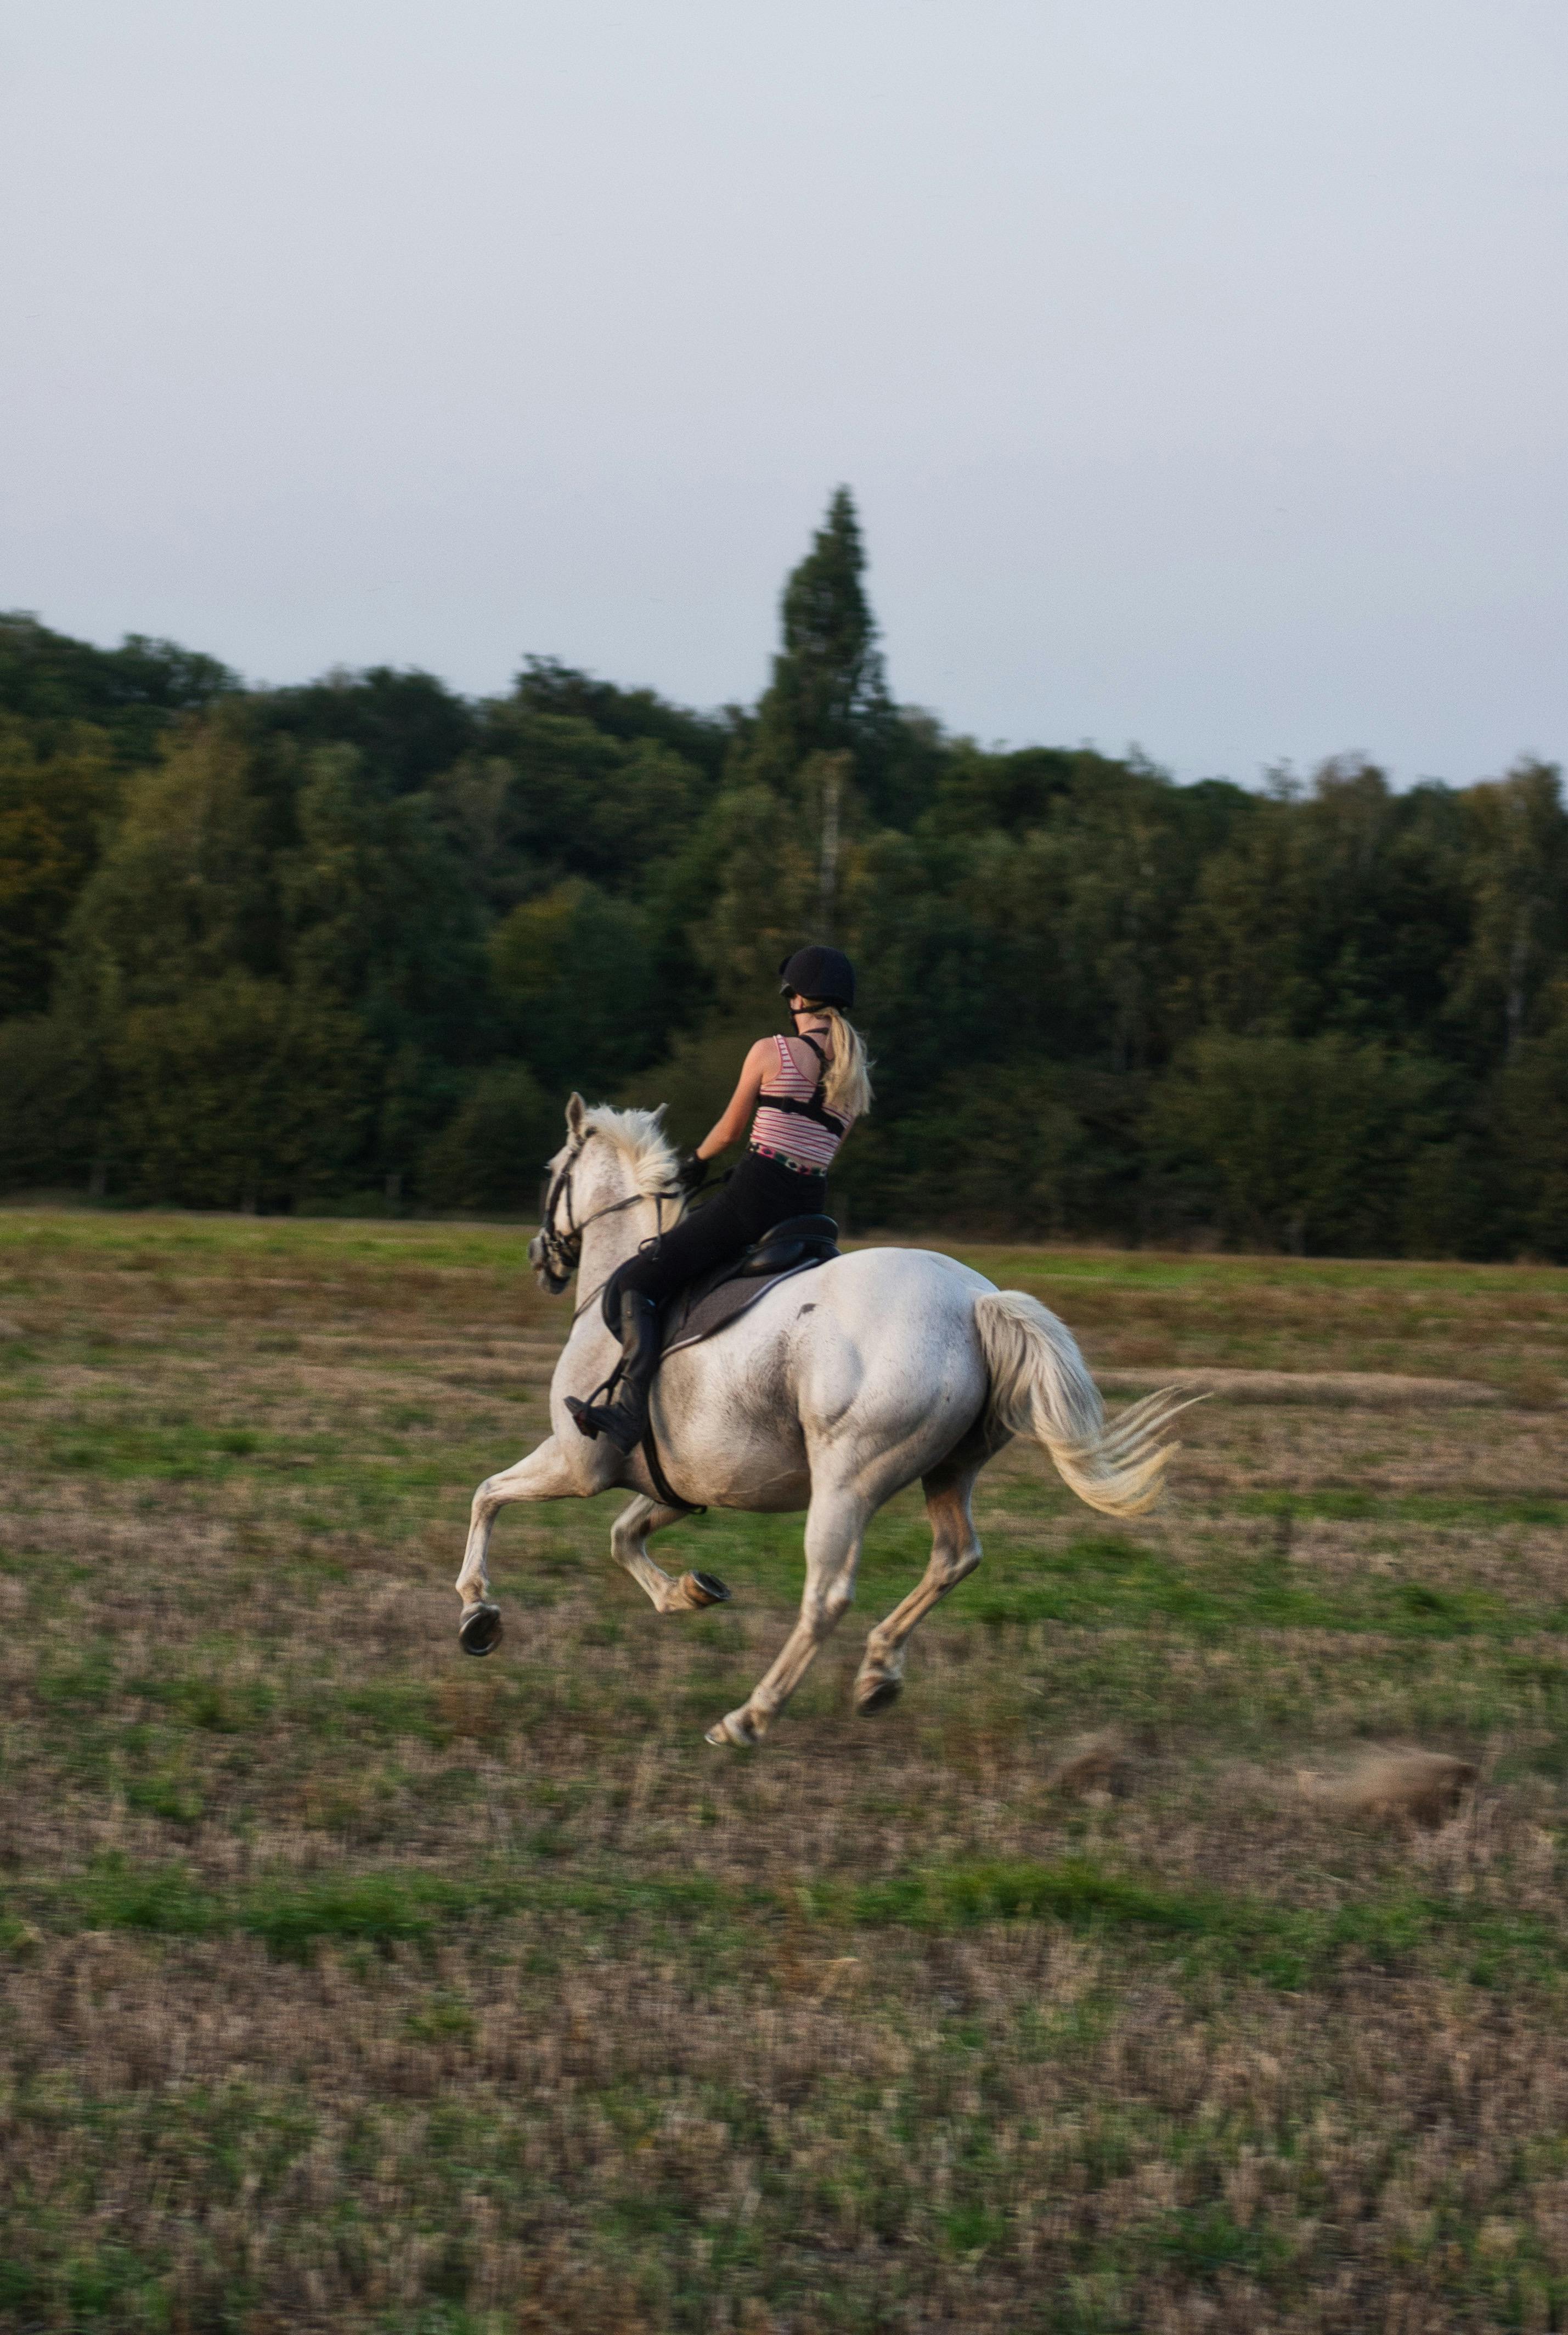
808 1091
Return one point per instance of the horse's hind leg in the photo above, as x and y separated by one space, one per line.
836 1526
629 1547
954 1553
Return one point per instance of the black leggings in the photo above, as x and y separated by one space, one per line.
760 1193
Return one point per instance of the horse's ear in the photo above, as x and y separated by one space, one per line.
577 1111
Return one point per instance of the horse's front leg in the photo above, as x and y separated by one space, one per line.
836 1526
629 1548
544 1474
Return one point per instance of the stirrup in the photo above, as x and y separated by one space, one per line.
594 1419
595 1406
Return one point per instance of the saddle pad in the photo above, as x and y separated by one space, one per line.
715 1309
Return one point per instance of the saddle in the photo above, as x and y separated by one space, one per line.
799 1240
721 1296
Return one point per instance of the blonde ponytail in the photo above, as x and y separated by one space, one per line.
848 1087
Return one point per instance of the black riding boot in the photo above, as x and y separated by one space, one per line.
625 1420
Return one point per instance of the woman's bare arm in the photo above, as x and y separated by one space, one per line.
742 1102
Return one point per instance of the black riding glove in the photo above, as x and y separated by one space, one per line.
691 1174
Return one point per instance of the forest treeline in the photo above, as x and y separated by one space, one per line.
350 944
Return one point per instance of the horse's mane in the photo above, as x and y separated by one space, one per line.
640 1136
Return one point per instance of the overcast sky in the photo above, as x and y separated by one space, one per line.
1198 364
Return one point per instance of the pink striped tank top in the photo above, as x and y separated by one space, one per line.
782 1128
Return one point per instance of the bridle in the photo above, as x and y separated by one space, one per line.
560 1254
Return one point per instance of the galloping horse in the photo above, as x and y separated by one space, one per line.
836 1388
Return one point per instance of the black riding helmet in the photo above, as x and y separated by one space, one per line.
825 975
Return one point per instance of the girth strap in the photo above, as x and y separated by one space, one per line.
669 1497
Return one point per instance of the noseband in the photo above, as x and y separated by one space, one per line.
560 1254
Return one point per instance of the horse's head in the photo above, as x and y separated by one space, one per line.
587 1178
556 1248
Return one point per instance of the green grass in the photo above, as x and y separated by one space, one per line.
1399 1929
350 1984
175 1452
1347 1505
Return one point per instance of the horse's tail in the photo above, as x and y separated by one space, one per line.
1041 1386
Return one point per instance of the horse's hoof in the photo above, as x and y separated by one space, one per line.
699 1589
877 1692
737 1727
479 1631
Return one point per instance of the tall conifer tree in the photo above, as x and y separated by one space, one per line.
829 693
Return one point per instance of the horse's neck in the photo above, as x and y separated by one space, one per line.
612 1239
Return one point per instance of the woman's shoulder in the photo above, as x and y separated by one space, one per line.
799 1057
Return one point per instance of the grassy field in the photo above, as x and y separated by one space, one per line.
349 1984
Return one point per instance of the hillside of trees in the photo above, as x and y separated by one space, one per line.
350 944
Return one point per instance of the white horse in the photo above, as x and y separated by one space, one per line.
836 1388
